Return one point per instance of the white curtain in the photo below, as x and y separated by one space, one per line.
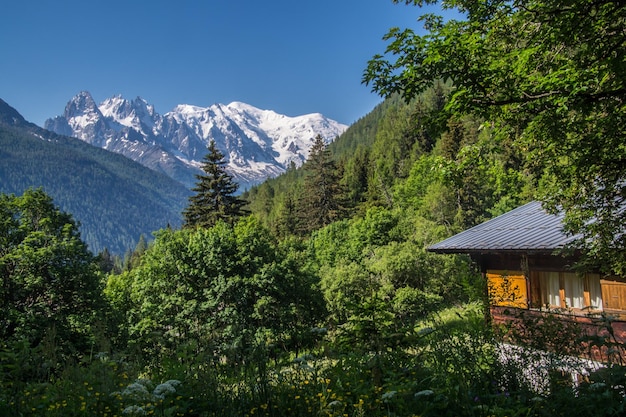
551 288
574 290
595 291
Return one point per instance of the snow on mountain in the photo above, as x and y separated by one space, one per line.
256 143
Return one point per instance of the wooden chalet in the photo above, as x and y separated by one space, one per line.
520 255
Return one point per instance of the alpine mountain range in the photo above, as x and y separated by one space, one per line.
257 144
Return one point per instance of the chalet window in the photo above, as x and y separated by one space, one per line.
550 284
574 290
595 291
567 290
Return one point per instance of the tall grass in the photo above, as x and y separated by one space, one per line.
452 369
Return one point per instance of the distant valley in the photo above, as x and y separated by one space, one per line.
115 199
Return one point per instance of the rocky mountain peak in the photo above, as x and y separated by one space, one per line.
257 144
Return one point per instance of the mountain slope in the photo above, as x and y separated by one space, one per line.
257 144
115 199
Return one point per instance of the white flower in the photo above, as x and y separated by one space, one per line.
389 395
135 389
164 389
134 410
173 382
424 393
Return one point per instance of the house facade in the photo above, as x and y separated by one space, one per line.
521 255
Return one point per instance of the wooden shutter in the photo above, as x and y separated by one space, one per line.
613 294
507 288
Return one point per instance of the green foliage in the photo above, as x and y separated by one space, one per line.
215 198
50 286
373 269
226 290
454 170
549 74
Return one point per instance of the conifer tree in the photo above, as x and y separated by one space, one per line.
324 199
215 197
287 219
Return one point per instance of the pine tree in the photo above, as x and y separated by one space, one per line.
287 219
215 197
324 199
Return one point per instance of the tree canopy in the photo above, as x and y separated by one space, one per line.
552 74
49 282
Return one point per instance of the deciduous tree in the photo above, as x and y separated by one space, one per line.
228 291
49 284
552 73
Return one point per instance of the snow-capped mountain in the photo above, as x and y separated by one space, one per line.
256 143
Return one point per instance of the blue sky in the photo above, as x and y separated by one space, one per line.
293 57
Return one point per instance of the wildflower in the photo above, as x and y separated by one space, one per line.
389 395
135 389
166 388
334 403
424 393
134 410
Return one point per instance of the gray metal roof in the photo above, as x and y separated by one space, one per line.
526 228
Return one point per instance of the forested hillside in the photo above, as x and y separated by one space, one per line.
410 157
115 199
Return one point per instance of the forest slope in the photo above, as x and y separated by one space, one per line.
115 199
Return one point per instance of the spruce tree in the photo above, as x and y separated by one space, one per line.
214 197
324 199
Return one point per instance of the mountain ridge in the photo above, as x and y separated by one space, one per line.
257 144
